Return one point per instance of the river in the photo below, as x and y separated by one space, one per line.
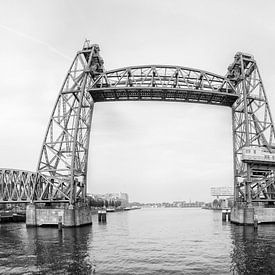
145 241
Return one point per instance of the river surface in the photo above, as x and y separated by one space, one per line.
145 241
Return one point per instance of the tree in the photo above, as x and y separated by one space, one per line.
117 203
106 203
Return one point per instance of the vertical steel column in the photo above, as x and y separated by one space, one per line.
236 186
85 176
245 91
74 150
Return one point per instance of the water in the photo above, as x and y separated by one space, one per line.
146 241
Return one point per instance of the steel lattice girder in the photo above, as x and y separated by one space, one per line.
16 185
252 126
166 83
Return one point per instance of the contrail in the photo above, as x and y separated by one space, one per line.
51 48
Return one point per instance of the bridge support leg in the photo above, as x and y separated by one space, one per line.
71 216
242 215
31 215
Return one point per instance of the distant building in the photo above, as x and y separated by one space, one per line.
222 191
122 197
176 204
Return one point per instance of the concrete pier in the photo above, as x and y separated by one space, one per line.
69 216
102 216
246 215
226 215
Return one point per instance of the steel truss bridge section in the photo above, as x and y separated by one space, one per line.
61 174
164 83
20 186
17 185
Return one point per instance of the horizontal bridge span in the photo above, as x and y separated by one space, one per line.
16 185
20 186
165 83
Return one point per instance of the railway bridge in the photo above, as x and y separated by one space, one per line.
58 187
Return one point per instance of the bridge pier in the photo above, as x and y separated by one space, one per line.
70 216
246 215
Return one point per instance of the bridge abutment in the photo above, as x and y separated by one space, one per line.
71 216
247 215
242 215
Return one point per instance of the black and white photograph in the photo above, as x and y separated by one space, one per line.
137 137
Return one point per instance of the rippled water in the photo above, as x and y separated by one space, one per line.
146 241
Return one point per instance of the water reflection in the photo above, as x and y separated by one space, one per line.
253 251
65 251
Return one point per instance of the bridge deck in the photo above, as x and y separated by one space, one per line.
164 83
163 94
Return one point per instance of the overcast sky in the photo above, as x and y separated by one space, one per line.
154 151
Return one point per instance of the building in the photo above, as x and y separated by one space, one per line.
122 197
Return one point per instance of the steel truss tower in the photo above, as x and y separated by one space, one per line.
62 166
252 128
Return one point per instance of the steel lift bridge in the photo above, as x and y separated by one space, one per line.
61 174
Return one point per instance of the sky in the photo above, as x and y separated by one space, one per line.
154 151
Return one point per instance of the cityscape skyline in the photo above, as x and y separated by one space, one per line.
115 195
127 197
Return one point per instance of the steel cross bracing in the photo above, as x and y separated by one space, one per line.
252 126
17 185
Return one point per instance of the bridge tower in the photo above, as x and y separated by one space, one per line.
62 165
253 142
64 156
